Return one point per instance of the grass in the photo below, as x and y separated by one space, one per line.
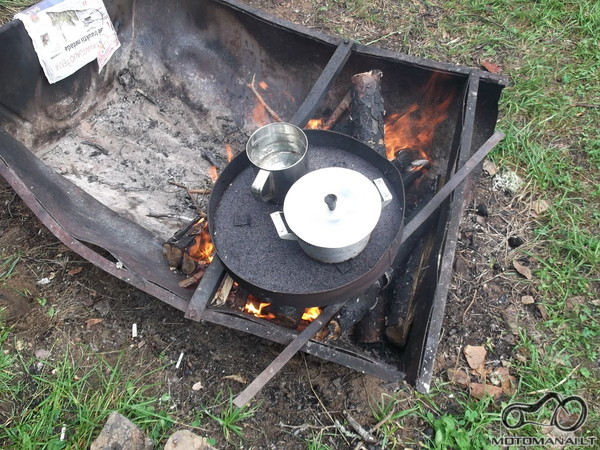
47 397
229 416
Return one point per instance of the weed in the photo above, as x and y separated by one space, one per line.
7 266
389 413
229 416
469 429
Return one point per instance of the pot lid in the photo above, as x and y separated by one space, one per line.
332 207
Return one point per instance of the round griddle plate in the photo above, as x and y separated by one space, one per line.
247 242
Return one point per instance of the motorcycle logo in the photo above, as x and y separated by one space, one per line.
520 409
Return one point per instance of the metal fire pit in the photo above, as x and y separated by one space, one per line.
91 155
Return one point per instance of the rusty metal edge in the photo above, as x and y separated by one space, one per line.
371 51
78 247
327 352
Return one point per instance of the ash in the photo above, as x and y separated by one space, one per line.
140 138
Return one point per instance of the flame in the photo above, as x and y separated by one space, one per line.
414 128
311 314
202 249
263 85
229 152
315 124
255 307
213 173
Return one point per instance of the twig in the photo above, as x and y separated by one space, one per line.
364 434
379 424
339 110
190 192
342 429
96 146
319 399
382 37
305 426
586 105
262 101
470 304
541 391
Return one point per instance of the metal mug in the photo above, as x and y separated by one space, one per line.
278 151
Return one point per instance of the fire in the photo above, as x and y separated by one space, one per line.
255 307
229 152
202 249
414 128
315 124
213 173
311 314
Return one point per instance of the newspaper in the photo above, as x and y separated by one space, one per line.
68 34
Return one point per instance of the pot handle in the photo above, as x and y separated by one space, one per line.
386 195
282 229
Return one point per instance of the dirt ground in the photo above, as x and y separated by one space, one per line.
484 308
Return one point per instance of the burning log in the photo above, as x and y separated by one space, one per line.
287 316
352 312
367 110
189 248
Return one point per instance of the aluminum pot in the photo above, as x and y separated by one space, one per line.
332 212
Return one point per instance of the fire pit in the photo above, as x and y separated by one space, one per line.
101 159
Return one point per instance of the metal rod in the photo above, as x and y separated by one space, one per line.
214 274
323 83
449 187
265 376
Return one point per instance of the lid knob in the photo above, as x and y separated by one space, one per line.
331 200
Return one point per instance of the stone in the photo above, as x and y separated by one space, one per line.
120 433
186 440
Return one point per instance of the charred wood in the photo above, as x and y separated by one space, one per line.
352 312
367 110
371 327
339 111
176 249
194 278
402 299
287 316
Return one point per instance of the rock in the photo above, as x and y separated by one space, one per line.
527 300
41 353
120 433
186 440
508 181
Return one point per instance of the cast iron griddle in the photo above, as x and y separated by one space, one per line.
247 242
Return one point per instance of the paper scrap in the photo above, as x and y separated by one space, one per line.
68 34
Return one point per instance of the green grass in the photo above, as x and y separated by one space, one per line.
228 416
47 396
7 266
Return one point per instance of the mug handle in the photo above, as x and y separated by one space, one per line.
262 188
